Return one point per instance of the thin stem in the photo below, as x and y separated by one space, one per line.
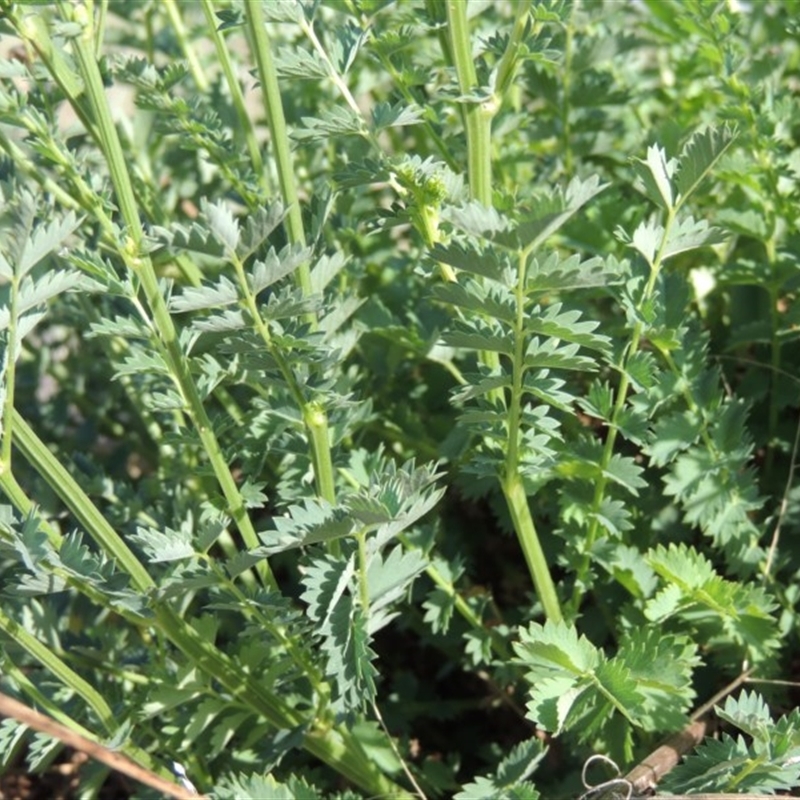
784 507
409 774
10 372
565 94
314 417
176 21
509 60
33 31
478 130
336 747
775 364
301 657
250 302
100 24
25 686
472 619
441 146
31 170
39 722
237 97
518 374
462 606
613 425
338 80
478 124
363 585
22 503
438 17
363 598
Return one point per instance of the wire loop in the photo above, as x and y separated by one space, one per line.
592 790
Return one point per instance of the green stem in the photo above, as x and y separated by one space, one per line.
518 371
565 95
511 481
33 31
100 24
338 80
441 146
478 126
189 53
314 416
317 425
336 747
67 488
93 522
27 687
10 372
273 105
302 658
135 259
508 63
363 585
31 170
461 605
478 130
613 425
517 500
477 115
438 17
237 97
51 662
775 362
13 491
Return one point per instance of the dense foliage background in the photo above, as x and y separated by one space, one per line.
400 398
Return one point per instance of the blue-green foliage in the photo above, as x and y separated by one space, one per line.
768 760
433 349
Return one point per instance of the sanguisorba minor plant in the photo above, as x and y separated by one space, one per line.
249 250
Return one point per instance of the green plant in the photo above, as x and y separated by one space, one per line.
234 318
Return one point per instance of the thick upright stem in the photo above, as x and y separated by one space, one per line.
477 115
478 126
273 106
517 500
478 129
335 747
314 417
140 264
511 481
61 670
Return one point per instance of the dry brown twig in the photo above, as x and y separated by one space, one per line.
10 707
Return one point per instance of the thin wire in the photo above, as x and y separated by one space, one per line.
784 507
606 786
393 745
